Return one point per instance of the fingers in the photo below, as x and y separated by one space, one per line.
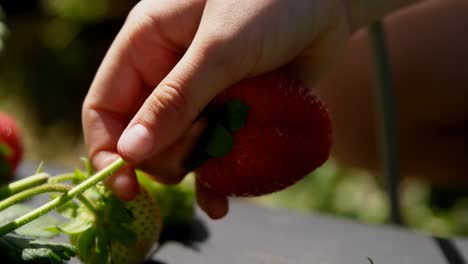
215 205
123 182
228 45
141 55
161 70
176 102
168 167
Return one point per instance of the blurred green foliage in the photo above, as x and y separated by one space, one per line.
357 195
54 48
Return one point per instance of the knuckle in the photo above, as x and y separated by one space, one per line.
220 52
169 101
139 10
142 18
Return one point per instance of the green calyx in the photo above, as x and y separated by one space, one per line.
217 140
5 150
92 231
234 115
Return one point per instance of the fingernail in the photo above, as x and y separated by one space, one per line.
136 143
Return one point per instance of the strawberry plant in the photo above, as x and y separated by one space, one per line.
100 227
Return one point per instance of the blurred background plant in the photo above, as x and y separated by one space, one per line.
50 50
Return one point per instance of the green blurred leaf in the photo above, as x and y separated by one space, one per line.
68 210
102 249
41 227
40 167
88 166
117 211
16 249
77 10
79 176
85 242
75 226
5 150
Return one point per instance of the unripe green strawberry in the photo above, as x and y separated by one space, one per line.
177 202
118 232
147 225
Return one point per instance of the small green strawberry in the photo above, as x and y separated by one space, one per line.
146 225
114 231
177 202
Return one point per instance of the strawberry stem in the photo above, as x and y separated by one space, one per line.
24 195
62 199
62 178
23 184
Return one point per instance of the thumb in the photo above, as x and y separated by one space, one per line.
176 102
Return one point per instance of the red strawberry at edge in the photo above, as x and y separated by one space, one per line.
287 134
11 148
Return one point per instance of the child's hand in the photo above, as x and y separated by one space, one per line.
172 57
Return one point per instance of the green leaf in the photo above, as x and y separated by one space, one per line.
75 226
118 213
102 248
68 209
88 166
79 176
39 168
220 142
234 114
5 150
41 227
17 249
93 245
85 242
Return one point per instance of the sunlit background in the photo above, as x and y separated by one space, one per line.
50 51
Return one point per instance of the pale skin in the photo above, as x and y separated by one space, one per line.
172 57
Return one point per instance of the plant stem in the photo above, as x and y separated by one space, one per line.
26 194
386 119
62 178
50 187
23 184
80 188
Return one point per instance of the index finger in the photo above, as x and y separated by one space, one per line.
140 57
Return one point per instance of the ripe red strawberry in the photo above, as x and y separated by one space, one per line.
286 134
11 147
